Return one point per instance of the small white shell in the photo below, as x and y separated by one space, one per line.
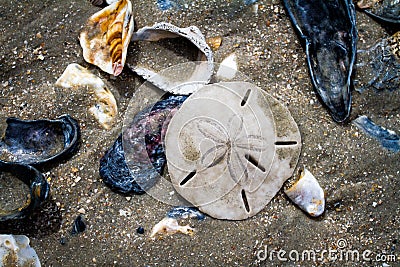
307 194
169 226
228 68
15 251
105 110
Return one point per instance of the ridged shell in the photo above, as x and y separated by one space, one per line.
106 37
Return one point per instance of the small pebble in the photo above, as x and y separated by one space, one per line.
63 240
140 230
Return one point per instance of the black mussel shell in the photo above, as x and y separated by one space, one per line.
387 11
79 225
328 29
40 143
144 139
39 189
115 173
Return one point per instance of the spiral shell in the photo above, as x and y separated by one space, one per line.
106 37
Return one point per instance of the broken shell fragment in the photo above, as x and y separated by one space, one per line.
105 109
388 138
39 142
169 226
201 72
214 42
224 154
16 251
38 190
228 68
307 194
185 212
106 37
382 10
378 66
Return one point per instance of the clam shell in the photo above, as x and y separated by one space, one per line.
307 194
106 37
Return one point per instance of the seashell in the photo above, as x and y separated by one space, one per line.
39 142
142 141
169 226
220 160
388 138
38 186
378 66
77 77
16 251
185 212
228 68
382 10
115 173
79 225
307 194
328 29
106 37
200 72
214 42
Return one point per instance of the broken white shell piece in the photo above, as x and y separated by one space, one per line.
105 110
106 37
169 226
307 194
228 68
15 251
199 76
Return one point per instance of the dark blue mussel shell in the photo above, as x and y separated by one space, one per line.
115 172
144 142
39 143
328 29
385 11
38 186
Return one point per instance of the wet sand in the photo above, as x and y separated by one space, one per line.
40 38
